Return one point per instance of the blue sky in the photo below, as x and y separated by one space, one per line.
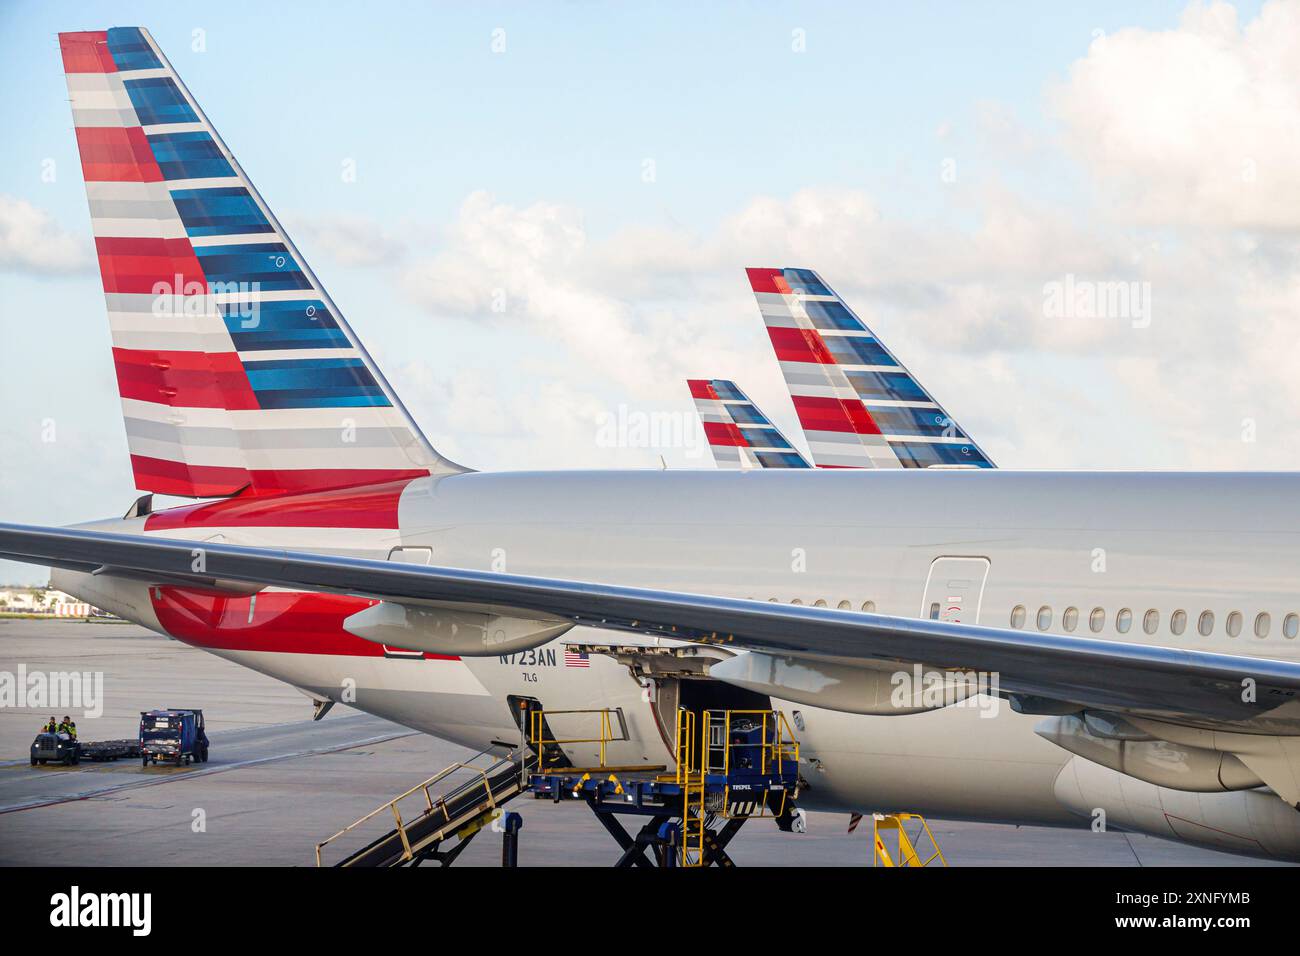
557 129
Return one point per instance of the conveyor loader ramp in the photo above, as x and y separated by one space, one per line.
439 826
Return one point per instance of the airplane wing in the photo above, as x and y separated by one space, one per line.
739 435
1166 682
858 405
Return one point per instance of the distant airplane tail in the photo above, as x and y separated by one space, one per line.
859 407
740 436
236 370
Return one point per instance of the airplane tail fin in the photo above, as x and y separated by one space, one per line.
740 436
859 406
236 370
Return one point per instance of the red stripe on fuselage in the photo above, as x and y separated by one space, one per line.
284 622
116 154
184 379
701 388
833 415
371 506
150 266
86 52
190 481
298 481
724 433
768 280
799 345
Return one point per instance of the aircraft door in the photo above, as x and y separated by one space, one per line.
407 556
954 589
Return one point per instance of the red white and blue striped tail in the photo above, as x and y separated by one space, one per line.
859 407
236 370
739 435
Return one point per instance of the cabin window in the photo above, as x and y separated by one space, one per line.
844 606
1234 624
1178 621
1123 620
796 601
934 611
1291 626
1205 624
1018 616
1151 621
869 607
1097 620
1044 617
1262 624
820 602
1070 619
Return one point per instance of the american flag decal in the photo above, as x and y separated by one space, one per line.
574 658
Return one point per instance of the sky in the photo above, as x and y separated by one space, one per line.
537 216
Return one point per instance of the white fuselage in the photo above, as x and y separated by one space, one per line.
1100 543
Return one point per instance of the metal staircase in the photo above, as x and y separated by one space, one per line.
459 813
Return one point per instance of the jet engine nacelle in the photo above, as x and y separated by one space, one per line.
1253 822
440 630
843 687
1155 761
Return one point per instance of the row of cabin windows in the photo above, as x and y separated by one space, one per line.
867 606
1151 621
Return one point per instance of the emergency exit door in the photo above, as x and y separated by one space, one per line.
954 589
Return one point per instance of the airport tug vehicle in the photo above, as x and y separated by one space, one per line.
172 736
63 748
49 747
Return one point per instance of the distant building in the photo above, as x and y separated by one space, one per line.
17 600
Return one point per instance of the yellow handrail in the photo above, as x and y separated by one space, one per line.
537 730
430 807
685 744
776 745
907 851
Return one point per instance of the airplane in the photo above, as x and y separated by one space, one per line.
858 405
1106 650
739 435
865 394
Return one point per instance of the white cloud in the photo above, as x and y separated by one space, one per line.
1161 119
351 240
636 313
1198 124
31 242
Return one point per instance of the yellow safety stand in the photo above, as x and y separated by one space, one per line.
913 838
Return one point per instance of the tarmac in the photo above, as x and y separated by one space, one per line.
278 783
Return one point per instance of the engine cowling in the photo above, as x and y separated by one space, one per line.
1155 761
440 630
1252 822
843 687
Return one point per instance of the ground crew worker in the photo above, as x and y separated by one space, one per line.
68 727
51 727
